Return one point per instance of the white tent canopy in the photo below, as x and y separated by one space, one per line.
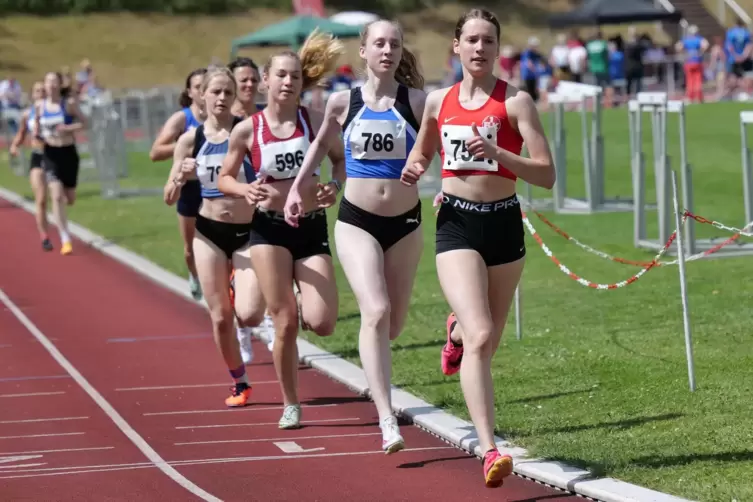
354 18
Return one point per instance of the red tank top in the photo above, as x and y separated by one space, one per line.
491 119
280 158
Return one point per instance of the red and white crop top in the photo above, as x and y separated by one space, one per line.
280 158
491 119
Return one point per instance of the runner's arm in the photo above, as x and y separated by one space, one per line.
23 129
178 176
539 168
327 136
427 141
164 145
239 145
81 120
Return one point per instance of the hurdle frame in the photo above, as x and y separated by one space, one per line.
659 106
592 147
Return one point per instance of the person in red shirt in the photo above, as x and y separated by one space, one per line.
479 126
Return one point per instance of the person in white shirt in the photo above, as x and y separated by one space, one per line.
577 62
560 58
11 94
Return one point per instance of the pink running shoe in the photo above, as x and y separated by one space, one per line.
496 468
452 355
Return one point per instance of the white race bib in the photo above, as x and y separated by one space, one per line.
378 139
208 169
283 160
456 156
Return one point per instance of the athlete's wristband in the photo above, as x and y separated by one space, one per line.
338 185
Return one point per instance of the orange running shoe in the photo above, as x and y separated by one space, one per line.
241 393
496 468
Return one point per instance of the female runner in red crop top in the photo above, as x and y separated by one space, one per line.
481 124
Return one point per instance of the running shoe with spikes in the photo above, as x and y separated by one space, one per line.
291 417
452 353
392 440
496 468
241 393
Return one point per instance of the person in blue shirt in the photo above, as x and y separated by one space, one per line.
188 117
693 47
529 68
378 232
737 48
616 68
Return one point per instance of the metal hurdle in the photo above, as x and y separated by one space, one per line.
571 93
659 107
657 104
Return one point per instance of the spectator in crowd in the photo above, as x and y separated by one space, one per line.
530 59
635 48
82 77
693 47
598 59
11 94
559 58
544 76
454 69
616 72
577 58
508 61
738 48
716 70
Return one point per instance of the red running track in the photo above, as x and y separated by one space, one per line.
148 353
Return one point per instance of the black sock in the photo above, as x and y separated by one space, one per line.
452 328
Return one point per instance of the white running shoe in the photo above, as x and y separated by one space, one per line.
291 417
392 441
193 283
244 340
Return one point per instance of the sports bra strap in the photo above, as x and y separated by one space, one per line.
199 140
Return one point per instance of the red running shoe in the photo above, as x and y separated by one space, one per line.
452 355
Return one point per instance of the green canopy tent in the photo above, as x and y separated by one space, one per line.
292 33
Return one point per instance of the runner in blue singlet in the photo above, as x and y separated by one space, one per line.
189 117
223 223
378 230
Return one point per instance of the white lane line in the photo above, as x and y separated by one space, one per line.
32 420
21 465
196 386
44 435
57 471
333 436
64 450
137 440
33 394
306 422
233 410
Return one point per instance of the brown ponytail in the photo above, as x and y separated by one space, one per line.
184 100
407 72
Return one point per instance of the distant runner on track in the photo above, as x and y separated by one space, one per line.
222 225
480 124
246 74
278 139
190 116
247 80
56 120
36 173
378 230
